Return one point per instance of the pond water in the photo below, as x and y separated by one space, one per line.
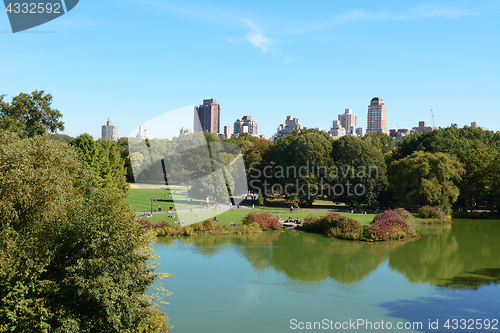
285 281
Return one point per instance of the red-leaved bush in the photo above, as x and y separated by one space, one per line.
387 225
264 220
334 225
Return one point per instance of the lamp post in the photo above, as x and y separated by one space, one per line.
151 206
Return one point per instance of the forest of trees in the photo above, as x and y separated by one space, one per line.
72 256
456 169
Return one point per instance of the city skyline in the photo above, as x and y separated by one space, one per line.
345 120
135 60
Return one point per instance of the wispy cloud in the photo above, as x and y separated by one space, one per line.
439 11
414 13
288 60
232 41
256 36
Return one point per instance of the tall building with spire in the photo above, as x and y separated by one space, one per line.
377 116
207 116
109 131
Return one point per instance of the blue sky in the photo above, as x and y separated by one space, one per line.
131 61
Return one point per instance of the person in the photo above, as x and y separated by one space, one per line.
159 208
215 219
238 206
291 208
191 210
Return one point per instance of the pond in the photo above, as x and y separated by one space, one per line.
291 281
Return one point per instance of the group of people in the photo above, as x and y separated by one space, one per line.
290 219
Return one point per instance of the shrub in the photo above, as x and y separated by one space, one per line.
188 231
405 215
264 220
334 225
348 229
387 225
428 212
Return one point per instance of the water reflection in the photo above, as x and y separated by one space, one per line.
463 255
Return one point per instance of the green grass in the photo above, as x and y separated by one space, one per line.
236 215
140 199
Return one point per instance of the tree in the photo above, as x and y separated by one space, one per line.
475 148
427 178
381 141
73 258
302 163
361 172
30 115
125 155
62 137
104 158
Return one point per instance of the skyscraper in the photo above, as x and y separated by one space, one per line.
349 121
377 116
142 134
207 116
109 131
184 131
246 125
227 132
337 130
291 124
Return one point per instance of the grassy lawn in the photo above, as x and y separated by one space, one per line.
236 215
140 199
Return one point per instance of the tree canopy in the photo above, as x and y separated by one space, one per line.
72 256
425 178
104 157
30 114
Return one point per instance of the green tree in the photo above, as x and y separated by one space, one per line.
62 137
475 148
106 162
361 170
427 178
30 115
73 258
381 141
125 155
302 163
